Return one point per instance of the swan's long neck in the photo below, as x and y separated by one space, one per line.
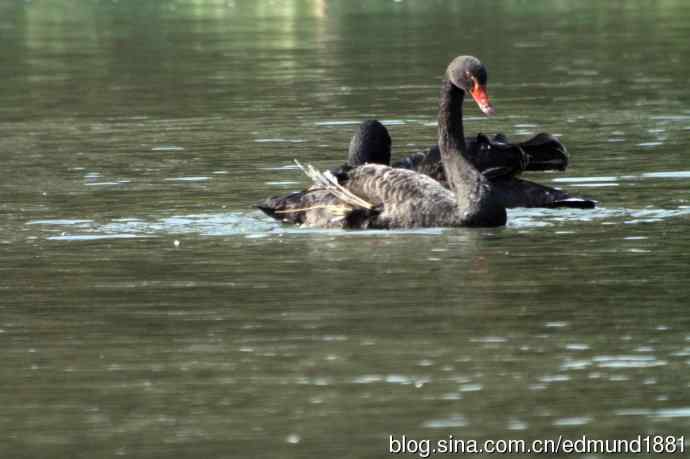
463 178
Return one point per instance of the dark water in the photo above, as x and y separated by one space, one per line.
126 126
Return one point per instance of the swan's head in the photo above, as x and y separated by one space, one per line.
469 74
370 144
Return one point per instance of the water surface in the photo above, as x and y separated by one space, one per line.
147 310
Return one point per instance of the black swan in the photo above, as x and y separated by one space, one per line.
400 198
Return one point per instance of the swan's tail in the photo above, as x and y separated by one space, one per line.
327 204
544 153
329 182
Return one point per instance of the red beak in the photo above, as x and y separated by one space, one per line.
482 99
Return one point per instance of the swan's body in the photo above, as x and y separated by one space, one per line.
407 199
401 198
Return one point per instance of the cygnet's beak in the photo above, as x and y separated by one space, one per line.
481 97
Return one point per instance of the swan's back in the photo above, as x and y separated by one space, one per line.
407 199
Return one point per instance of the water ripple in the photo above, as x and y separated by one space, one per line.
572 422
457 420
628 361
673 413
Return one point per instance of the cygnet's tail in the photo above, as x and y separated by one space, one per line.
327 204
288 208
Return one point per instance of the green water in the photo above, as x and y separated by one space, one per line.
126 126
